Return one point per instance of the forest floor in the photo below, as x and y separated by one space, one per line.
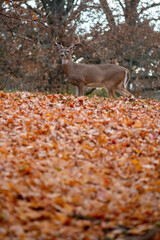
79 168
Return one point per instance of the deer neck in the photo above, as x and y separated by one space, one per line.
67 65
65 61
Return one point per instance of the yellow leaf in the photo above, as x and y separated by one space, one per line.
102 139
135 162
61 217
137 124
138 151
47 114
59 201
157 183
88 147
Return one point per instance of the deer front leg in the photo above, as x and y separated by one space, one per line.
77 91
109 91
80 89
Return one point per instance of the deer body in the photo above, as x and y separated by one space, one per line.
113 78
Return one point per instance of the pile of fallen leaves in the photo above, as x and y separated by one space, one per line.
79 168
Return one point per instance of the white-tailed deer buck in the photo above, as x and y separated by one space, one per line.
113 78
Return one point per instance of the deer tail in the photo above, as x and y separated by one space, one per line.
126 78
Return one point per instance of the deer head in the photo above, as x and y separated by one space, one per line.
66 53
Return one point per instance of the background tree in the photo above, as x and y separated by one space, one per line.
135 41
29 59
125 32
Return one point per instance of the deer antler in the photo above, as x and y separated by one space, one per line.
58 46
76 43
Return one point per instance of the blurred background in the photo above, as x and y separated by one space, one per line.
124 32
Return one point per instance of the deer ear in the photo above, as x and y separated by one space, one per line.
75 46
76 43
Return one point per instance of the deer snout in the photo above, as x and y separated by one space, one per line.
62 54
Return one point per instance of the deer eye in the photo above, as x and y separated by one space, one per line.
67 51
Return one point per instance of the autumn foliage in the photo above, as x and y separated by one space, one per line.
79 168
122 32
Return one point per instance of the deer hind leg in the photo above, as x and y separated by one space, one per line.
127 93
121 89
124 92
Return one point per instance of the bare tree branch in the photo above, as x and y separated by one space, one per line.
69 6
148 7
10 29
33 9
44 4
15 35
108 13
25 19
121 4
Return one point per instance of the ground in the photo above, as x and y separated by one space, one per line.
79 168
